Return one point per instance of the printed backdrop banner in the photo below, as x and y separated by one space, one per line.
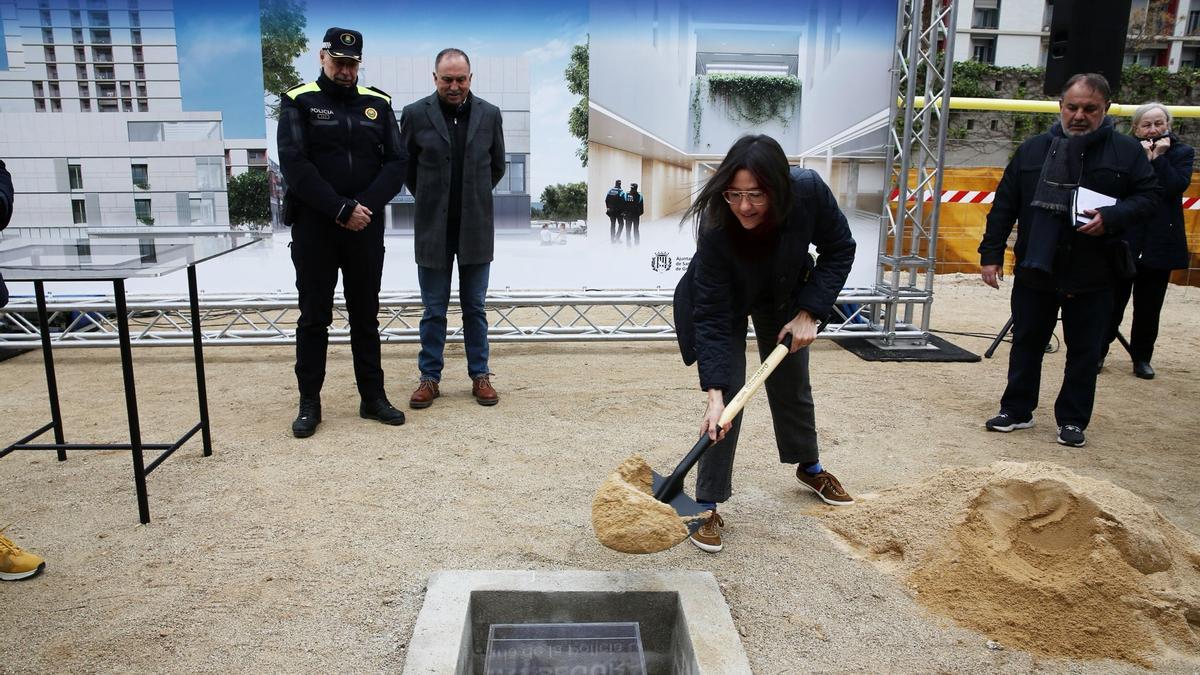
674 84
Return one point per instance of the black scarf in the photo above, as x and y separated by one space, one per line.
1061 173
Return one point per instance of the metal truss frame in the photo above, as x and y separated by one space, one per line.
165 320
922 66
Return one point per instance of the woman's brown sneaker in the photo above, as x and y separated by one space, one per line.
708 537
826 485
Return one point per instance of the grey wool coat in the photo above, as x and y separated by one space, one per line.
424 133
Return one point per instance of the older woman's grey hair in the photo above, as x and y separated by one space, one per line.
1147 107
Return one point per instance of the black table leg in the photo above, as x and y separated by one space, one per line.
48 360
131 409
198 350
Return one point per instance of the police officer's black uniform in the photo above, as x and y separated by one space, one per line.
632 209
614 204
338 147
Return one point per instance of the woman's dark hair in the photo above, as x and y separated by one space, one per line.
763 157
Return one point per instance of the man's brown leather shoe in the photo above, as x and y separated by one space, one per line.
483 391
424 395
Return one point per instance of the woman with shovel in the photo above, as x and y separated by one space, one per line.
755 220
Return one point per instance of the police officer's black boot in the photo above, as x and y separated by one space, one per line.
379 408
306 422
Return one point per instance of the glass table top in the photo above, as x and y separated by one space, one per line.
113 257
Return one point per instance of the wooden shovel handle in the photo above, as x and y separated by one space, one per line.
756 380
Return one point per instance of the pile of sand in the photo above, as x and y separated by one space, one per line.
1039 558
627 518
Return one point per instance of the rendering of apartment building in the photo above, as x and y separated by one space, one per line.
94 128
1162 33
245 154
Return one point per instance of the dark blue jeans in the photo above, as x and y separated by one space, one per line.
435 295
1085 318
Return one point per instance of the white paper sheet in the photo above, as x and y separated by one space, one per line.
1089 199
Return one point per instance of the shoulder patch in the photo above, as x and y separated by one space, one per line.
302 89
372 91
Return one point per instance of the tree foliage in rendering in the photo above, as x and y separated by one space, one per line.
249 199
565 201
577 83
282 23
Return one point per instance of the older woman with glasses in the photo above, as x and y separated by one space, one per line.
1161 244
755 220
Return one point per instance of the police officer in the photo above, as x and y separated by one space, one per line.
614 204
633 208
341 156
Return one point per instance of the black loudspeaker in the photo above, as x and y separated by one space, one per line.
1086 36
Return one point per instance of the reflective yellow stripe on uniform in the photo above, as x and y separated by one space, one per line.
302 89
367 91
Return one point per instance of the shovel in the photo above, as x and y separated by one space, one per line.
669 489
637 510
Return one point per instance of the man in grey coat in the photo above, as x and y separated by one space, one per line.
455 143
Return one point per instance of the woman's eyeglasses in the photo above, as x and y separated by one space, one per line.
755 197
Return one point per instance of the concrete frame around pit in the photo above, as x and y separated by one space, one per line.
439 632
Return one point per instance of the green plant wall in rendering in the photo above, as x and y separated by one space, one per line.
749 99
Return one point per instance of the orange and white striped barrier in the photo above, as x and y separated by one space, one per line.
986 197
953 196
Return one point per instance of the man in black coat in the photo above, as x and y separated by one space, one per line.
341 155
455 142
1064 258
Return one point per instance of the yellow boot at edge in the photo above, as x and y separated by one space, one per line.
18 564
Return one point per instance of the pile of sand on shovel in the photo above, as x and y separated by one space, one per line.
627 518
1039 558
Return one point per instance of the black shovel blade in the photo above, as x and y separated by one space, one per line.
684 505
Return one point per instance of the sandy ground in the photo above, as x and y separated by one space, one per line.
278 554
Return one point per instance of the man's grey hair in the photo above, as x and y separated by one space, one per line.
1093 81
451 51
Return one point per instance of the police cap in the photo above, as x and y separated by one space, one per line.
343 43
